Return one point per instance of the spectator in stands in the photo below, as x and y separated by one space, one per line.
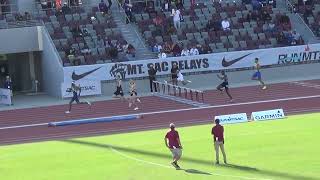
265 16
162 55
19 17
74 2
296 37
176 18
176 50
86 50
129 49
166 5
128 10
179 4
27 16
256 5
271 27
100 42
281 39
71 52
76 32
225 24
113 52
204 49
166 48
103 7
65 8
157 48
158 22
185 51
109 4
194 51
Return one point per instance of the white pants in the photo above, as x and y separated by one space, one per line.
176 24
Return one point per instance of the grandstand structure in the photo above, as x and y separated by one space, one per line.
44 45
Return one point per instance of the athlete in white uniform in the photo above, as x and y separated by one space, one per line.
133 95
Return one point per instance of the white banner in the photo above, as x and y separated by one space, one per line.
232 118
88 88
268 115
207 62
5 96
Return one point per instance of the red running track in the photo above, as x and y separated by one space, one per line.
158 112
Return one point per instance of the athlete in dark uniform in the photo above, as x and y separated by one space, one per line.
76 91
224 84
119 90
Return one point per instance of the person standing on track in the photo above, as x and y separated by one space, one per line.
218 139
133 95
152 77
224 84
172 141
174 74
76 90
257 75
119 90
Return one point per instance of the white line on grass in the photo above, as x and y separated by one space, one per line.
178 110
169 167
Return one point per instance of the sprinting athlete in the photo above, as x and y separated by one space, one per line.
257 75
119 90
133 95
224 84
76 90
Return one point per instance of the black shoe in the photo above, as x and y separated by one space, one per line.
177 166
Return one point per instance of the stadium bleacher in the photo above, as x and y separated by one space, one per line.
246 33
310 11
83 35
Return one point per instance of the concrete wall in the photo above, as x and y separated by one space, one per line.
52 71
19 40
236 78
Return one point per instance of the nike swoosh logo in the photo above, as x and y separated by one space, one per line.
229 63
76 77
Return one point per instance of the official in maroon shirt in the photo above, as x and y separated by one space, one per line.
218 139
172 142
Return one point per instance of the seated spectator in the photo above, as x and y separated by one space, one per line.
113 52
103 7
225 24
158 22
65 8
100 42
157 48
281 39
131 50
271 27
179 4
166 6
204 49
194 51
166 48
19 17
256 5
265 16
27 16
162 55
76 32
296 36
71 52
176 50
86 49
185 51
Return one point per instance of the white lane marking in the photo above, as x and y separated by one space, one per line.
179 110
169 167
23 126
129 129
307 84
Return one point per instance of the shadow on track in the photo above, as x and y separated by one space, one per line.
193 160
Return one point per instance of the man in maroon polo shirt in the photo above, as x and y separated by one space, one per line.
174 145
218 139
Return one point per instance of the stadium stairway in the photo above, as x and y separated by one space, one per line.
131 35
297 23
